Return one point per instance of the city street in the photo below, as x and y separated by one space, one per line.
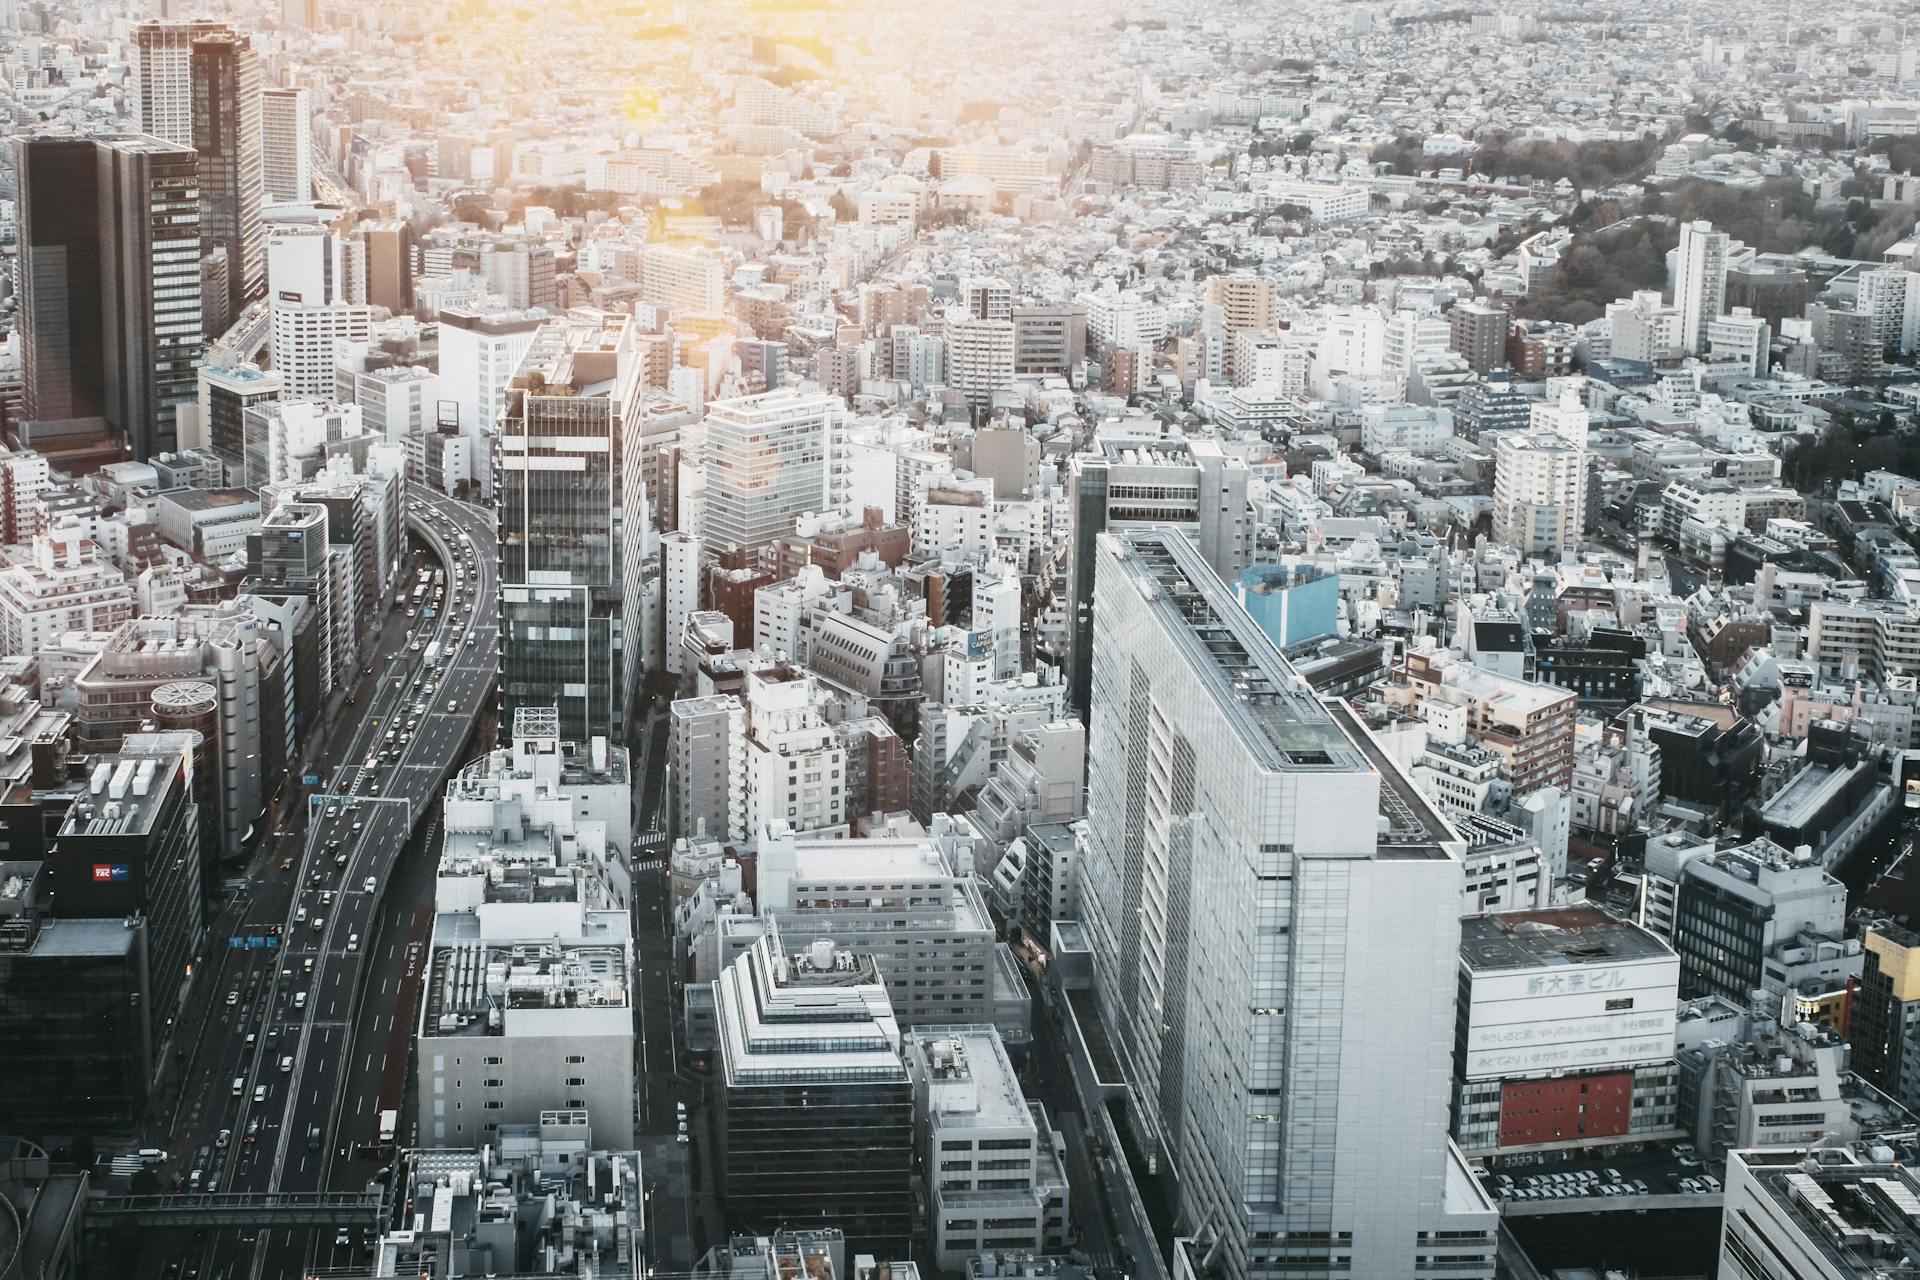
296 1070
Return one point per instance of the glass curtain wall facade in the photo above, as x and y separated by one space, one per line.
557 484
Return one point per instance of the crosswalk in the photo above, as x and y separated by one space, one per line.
651 864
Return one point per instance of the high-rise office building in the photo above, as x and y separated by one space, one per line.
816 1107
63 374
130 846
479 351
1272 910
151 328
163 77
227 135
110 317
1699 281
769 461
388 261
1883 1029
563 527
286 146
1196 487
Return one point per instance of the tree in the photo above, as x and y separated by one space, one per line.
842 207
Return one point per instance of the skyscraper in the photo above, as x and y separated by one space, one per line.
309 312
1699 281
151 327
286 146
479 351
769 461
163 77
227 135
1197 488
1272 909
562 526
110 317
62 372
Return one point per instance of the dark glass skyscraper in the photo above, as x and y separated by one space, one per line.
59 219
149 287
226 134
110 282
558 485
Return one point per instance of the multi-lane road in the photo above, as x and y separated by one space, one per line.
304 1040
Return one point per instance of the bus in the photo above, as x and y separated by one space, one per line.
420 595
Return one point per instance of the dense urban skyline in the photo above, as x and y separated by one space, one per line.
891 639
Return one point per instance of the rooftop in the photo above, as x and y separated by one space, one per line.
970 1078
1811 791
472 987
123 797
1859 1209
1280 720
83 937
1556 937
212 499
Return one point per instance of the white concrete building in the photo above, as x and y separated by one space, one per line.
979 358
995 1168
795 767
707 768
64 585
1247 914
1821 1212
770 460
680 594
527 1004
685 278
1699 282
1741 338
301 344
1567 1017
1320 201
954 520
479 352
1123 319
286 146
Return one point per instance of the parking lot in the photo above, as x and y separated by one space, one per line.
1556 1175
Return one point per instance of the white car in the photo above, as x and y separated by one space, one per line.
371 884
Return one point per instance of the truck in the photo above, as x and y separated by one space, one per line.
432 655
389 1122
